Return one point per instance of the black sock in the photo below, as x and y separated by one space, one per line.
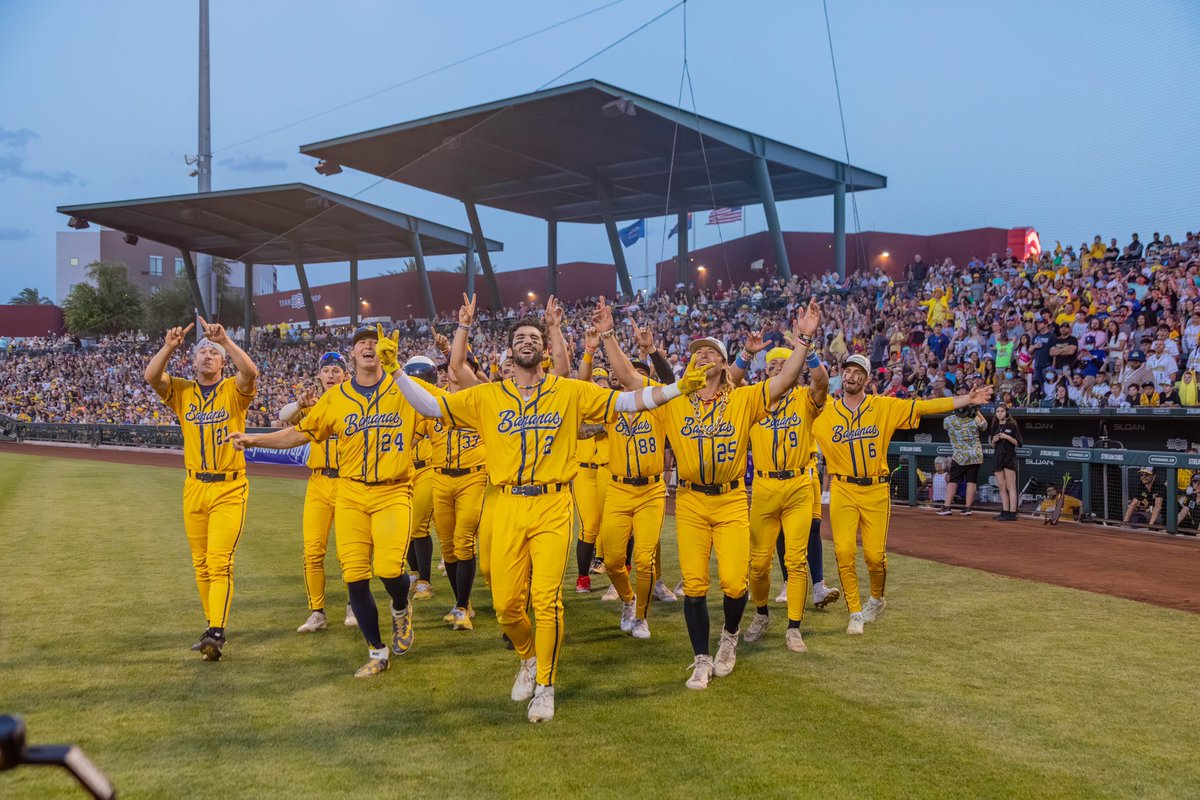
218 632
780 548
816 556
793 623
365 611
452 575
734 608
422 550
466 580
695 614
629 554
398 589
319 610
584 553
764 610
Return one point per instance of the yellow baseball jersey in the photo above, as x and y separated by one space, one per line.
530 440
593 449
207 419
454 448
855 442
375 429
782 440
322 455
709 439
422 449
636 445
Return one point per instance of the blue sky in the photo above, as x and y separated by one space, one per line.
1075 117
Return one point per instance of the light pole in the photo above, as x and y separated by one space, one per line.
204 270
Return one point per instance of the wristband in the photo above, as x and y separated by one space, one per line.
588 356
462 327
812 361
608 334
740 363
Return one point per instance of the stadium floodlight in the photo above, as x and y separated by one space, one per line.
78 223
622 107
130 239
328 167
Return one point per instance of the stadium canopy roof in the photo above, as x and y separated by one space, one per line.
290 223
591 152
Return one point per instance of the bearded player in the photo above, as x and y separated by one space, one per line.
374 426
211 411
854 434
529 426
709 434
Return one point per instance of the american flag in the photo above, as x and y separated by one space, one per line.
720 216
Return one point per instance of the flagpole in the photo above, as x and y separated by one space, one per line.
646 266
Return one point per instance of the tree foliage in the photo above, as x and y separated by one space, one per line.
173 305
110 303
30 297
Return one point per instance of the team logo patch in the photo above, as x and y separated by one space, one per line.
637 429
355 423
781 423
512 422
698 430
205 417
842 434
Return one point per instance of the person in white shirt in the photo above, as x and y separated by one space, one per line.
1162 364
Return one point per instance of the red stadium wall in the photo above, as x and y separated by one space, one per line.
31 321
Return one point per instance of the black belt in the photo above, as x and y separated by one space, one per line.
215 477
862 481
420 464
327 472
457 473
592 466
646 481
709 488
534 489
783 474
391 482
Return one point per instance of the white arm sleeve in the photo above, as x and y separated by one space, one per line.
417 395
290 413
627 401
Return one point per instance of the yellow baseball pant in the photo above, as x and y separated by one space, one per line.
590 488
483 541
214 515
866 508
779 503
374 526
814 477
422 502
707 522
319 500
531 543
457 504
633 511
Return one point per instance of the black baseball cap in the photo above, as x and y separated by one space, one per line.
365 332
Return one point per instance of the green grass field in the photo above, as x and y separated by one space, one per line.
971 685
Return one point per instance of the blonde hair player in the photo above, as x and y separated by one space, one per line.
211 411
854 434
529 426
710 434
374 426
320 496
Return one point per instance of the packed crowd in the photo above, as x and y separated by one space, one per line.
1098 326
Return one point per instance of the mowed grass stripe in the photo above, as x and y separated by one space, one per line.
971 684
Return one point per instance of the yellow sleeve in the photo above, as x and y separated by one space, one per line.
173 399
318 423
239 399
462 409
596 405
757 398
909 413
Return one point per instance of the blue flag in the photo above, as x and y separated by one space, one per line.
634 232
675 229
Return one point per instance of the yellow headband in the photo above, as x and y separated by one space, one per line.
599 372
778 352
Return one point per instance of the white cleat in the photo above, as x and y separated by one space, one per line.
351 621
726 654
442 566
611 594
855 628
541 707
702 672
640 629
795 642
758 626
782 595
522 689
628 611
824 596
873 609
679 588
663 593
314 623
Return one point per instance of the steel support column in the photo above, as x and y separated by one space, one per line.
614 240
763 175
197 296
470 266
485 258
308 301
248 302
552 254
355 300
839 229
423 274
681 267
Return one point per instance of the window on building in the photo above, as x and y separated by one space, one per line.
156 265
74 262
178 266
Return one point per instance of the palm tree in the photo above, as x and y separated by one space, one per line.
30 297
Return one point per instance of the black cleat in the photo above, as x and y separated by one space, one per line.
196 646
211 645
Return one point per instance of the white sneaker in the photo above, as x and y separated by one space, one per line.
726 654
526 679
824 596
679 588
795 642
351 620
611 594
824 498
640 629
663 593
873 609
758 626
442 566
541 707
782 595
314 623
702 672
855 628
628 611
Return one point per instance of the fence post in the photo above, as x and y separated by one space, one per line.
911 460
1086 499
1171 500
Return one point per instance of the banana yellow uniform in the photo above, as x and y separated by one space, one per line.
375 428
855 444
634 504
709 440
783 496
814 475
423 475
483 539
320 498
531 457
215 491
458 485
591 485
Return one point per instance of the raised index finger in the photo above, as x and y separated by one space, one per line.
185 331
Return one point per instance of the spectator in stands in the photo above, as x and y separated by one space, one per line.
1187 389
1148 494
1061 398
1136 372
964 426
1148 396
1162 364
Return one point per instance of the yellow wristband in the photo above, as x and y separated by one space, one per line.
587 357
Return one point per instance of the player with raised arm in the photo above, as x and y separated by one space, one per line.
529 425
211 411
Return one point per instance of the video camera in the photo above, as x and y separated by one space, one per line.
14 753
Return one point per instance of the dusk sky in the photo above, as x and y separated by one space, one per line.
1076 117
